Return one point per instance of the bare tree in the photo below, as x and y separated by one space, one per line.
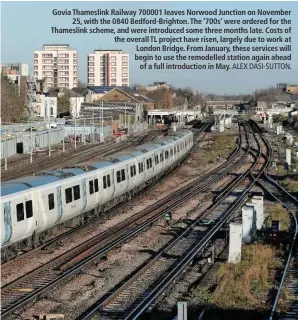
13 107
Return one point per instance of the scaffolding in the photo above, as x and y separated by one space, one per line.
31 95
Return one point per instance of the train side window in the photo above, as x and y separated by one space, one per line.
171 152
178 149
166 154
156 159
20 212
118 176
108 180
76 192
91 187
141 167
105 182
68 195
148 165
131 171
96 185
29 209
134 170
51 201
122 175
161 157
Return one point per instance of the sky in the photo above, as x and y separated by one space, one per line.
26 26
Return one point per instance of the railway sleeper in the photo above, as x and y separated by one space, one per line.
40 238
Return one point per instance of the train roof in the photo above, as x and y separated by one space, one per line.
25 183
50 176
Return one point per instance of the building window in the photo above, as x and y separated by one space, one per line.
91 74
35 55
102 63
124 58
35 61
35 67
113 58
124 69
124 74
124 63
113 63
125 80
102 74
74 55
91 69
91 80
113 74
91 64
113 69
91 58
113 80
75 61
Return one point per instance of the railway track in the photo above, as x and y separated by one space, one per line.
278 193
57 239
52 273
136 294
83 153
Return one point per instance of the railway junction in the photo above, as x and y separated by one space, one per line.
187 215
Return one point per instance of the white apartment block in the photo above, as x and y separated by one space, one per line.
108 68
57 64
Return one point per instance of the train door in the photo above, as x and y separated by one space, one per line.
113 182
84 194
7 222
59 203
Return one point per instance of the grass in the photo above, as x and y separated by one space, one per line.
291 185
246 285
221 147
278 212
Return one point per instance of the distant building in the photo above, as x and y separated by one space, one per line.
118 94
12 69
57 64
75 99
46 106
288 88
108 68
155 86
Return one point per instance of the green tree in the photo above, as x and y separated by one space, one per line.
13 107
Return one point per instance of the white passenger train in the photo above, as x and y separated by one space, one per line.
33 207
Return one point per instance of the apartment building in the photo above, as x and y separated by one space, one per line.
15 69
108 68
57 64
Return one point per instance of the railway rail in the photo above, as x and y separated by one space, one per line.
52 273
148 137
137 293
83 153
288 201
12 298
278 193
